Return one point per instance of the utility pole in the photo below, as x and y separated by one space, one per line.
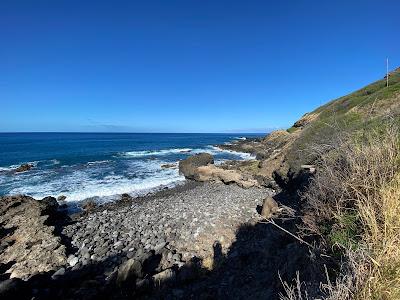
387 72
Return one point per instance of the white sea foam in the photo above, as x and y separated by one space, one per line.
209 149
98 162
242 155
156 152
9 168
89 182
13 167
214 150
47 163
104 180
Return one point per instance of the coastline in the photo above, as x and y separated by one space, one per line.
174 227
170 236
105 176
188 226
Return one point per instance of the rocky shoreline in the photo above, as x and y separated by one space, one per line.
152 238
181 225
178 243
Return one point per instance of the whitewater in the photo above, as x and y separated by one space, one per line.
103 166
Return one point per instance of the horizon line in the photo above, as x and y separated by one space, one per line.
121 132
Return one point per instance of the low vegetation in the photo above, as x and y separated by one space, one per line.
353 205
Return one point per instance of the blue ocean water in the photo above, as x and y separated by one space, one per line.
100 165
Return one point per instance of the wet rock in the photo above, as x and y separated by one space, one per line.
168 166
61 198
24 168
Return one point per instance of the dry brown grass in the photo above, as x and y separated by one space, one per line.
353 203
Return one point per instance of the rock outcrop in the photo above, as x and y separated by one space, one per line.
169 166
188 167
23 168
201 167
214 173
305 120
28 243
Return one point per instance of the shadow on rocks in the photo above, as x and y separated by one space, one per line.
58 218
256 264
249 270
252 268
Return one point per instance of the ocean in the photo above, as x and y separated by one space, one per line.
101 166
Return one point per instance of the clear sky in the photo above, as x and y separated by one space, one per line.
186 66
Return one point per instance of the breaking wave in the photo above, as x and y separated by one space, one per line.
156 152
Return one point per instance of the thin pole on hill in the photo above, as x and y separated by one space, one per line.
387 72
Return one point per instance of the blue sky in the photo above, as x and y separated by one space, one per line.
186 66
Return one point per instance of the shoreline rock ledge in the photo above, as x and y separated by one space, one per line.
200 167
27 242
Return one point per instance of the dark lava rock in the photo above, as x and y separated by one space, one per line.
188 166
23 168
61 198
49 204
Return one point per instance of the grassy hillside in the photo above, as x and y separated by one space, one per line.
362 110
351 205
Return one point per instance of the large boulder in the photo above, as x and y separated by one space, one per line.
188 167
